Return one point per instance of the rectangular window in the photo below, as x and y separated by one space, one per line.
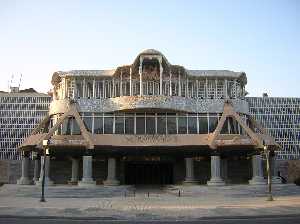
140 125
119 125
192 125
108 125
213 122
150 125
129 125
182 125
66 127
75 127
88 123
161 124
98 125
203 125
171 125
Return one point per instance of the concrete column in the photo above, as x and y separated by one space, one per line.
160 78
111 173
87 167
48 181
36 170
189 171
24 180
141 79
179 84
274 169
215 179
257 170
75 167
130 82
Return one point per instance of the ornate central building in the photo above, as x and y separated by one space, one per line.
150 122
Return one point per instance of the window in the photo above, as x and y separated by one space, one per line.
150 124
203 124
75 127
192 124
129 124
182 125
119 125
171 125
88 123
161 124
213 122
98 125
108 125
140 125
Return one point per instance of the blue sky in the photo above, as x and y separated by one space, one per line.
261 38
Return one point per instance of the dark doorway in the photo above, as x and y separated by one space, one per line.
142 173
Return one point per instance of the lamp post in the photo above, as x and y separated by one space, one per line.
46 152
267 153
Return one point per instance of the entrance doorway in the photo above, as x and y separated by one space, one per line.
148 173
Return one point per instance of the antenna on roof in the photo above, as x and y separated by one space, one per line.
20 80
11 80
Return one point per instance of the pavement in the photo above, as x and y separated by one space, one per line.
149 203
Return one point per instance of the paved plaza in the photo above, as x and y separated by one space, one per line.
127 202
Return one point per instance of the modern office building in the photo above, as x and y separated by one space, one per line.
20 112
280 117
150 122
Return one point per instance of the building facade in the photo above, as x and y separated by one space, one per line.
280 116
20 113
150 122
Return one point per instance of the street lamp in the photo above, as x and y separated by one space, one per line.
267 153
46 153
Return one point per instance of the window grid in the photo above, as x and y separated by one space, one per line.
19 115
281 119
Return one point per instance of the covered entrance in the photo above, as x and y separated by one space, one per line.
148 173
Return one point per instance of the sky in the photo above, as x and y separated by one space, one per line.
259 37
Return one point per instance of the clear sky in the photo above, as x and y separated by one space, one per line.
261 38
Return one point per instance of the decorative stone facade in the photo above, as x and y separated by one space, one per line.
142 119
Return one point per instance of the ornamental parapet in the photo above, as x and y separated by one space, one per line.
175 103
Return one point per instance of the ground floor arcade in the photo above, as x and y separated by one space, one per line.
90 170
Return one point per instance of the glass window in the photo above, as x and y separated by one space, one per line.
88 123
182 125
66 127
108 125
213 122
225 127
233 125
75 127
98 125
161 125
119 125
129 125
58 131
150 125
171 125
192 125
203 128
140 125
